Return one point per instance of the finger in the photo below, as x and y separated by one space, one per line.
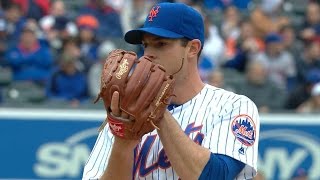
124 115
115 104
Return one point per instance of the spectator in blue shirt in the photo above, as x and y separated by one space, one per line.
14 21
88 43
28 59
311 25
67 82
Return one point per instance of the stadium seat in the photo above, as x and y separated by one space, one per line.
19 92
5 76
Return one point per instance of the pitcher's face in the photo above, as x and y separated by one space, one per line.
166 52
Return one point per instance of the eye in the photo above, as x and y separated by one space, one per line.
160 44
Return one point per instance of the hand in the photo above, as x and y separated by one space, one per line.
250 45
133 107
115 107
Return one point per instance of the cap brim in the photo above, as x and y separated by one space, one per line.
135 36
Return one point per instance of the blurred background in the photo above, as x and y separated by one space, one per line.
52 52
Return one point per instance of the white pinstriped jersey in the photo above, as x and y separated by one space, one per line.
224 122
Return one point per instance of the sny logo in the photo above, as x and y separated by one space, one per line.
153 13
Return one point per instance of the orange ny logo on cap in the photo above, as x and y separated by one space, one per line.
153 13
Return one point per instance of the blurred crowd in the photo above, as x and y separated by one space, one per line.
53 51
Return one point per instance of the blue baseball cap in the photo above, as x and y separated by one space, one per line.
170 20
273 38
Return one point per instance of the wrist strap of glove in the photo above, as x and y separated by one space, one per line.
117 127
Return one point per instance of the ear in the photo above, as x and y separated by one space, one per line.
194 48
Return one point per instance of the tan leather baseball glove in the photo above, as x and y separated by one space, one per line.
144 90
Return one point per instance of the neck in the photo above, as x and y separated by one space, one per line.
187 87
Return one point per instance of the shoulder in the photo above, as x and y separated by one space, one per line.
285 56
218 95
231 101
225 95
13 49
43 48
57 73
13 52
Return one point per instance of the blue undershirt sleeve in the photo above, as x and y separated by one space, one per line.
221 167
